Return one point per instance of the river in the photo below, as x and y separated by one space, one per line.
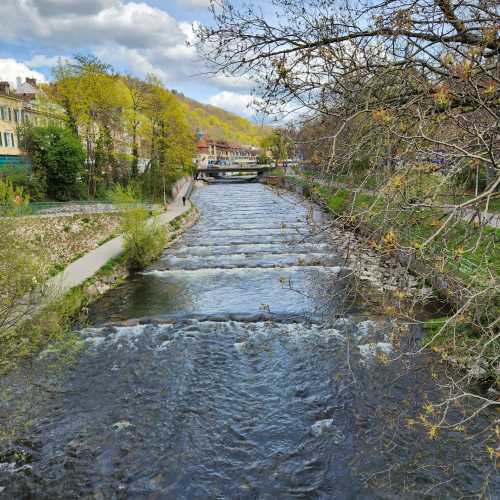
237 367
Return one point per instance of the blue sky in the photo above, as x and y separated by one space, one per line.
137 37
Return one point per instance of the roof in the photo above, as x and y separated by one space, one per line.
27 88
204 142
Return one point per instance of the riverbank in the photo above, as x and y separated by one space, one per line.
465 335
85 267
61 239
48 319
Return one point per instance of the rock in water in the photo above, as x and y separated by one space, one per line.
124 424
326 426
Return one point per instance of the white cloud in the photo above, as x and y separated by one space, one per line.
137 62
43 61
60 23
240 104
10 69
133 36
233 82
193 4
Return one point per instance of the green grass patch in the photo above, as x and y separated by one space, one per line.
111 265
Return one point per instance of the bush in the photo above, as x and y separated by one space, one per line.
13 200
35 185
121 195
144 239
56 155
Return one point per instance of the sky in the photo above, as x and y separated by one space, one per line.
137 37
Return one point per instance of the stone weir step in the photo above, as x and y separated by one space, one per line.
216 318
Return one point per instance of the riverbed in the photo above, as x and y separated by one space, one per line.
239 367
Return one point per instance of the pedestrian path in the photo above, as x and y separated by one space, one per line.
85 267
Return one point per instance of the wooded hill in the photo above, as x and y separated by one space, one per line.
221 124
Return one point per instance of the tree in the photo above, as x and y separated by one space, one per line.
120 119
137 90
279 143
428 73
57 155
94 98
172 142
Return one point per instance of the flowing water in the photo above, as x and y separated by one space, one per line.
230 369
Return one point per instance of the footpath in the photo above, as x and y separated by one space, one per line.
85 267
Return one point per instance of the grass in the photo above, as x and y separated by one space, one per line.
336 200
51 325
468 254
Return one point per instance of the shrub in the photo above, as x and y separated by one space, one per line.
121 195
144 239
13 200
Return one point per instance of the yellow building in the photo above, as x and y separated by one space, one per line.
27 103
11 115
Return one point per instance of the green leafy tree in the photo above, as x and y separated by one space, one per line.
93 97
57 155
172 144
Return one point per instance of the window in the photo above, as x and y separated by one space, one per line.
2 113
8 140
10 114
17 116
1 139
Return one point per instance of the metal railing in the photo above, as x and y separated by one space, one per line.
66 207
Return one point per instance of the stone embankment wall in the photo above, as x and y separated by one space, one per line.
398 270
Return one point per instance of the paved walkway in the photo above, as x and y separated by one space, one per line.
85 267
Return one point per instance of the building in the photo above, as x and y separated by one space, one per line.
213 151
25 103
37 107
27 91
11 115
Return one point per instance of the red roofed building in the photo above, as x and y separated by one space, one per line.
212 151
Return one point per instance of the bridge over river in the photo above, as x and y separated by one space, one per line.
236 368
216 170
